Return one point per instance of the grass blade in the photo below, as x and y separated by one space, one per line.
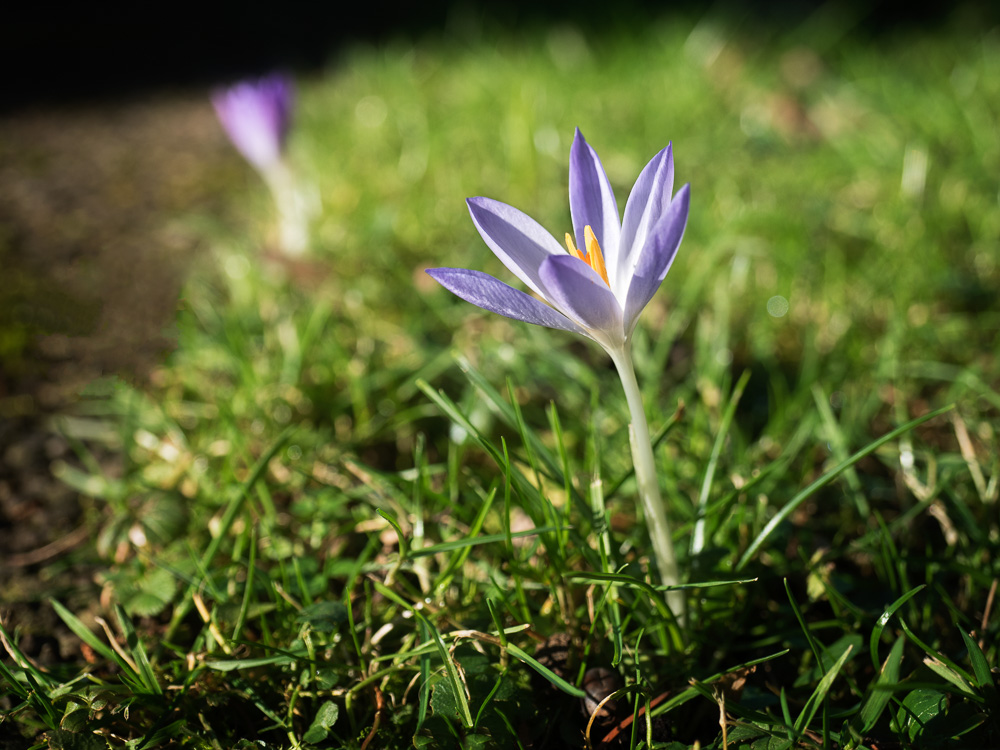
228 519
84 633
686 695
138 651
877 696
819 694
457 685
544 671
980 667
698 537
884 619
824 480
485 539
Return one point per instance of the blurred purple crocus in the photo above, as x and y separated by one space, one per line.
257 115
596 286
600 289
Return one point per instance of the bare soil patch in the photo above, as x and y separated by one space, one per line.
99 206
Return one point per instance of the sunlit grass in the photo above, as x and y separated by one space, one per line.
350 506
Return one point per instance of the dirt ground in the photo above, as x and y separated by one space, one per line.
98 207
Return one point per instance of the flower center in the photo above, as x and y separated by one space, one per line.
593 256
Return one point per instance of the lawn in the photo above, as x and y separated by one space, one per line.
352 510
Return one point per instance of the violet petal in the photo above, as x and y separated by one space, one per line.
592 201
491 294
577 290
647 202
654 261
520 242
257 114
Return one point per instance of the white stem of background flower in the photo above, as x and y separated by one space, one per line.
293 208
649 488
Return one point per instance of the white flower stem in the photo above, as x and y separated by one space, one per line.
293 212
649 488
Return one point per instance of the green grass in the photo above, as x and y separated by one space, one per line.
321 528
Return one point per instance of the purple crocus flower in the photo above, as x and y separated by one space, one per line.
596 286
256 114
600 289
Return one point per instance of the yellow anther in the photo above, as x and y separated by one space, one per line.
594 257
572 248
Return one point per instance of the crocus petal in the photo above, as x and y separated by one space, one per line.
256 115
520 242
591 200
657 255
646 204
575 288
486 292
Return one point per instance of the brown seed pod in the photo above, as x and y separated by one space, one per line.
599 683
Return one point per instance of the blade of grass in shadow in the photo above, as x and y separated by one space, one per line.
877 696
984 677
544 671
26 665
228 518
813 645
352 581
535 503
962 376
779 729
970 527
818 696
522 599
138 651
390 517
251 567
507 411
655 596
884 620
13 684
456 560
941 664
630 581
498 624
232 665
424 693
39 683
505 467
980 667
489 697
686 695
129 675
486 539
455 682
888 554
567 471
698 537
829 477
786 712
838 442
528 437
39 697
